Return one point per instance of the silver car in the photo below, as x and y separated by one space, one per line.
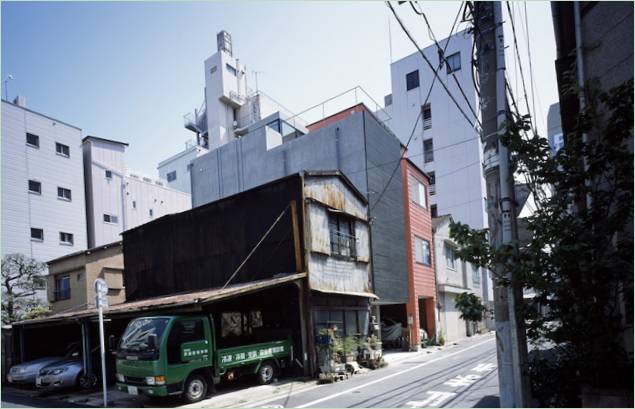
27 372
61 374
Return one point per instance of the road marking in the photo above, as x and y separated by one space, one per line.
460 380
483 367
435 399
412 368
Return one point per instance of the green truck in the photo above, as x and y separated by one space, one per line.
178 355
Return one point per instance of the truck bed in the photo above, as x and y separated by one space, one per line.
251 354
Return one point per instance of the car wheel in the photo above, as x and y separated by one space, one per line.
195 388
86 381
266 372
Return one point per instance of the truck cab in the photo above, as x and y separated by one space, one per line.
178 355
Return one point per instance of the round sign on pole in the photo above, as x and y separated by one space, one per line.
101 287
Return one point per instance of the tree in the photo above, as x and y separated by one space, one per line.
21 278
579 259
470 307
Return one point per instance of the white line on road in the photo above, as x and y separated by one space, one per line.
335 395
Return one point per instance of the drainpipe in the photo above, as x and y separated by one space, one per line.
577 15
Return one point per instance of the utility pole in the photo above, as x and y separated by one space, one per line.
510 334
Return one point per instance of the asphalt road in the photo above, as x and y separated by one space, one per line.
462 376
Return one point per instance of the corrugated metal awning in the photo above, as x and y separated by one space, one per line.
171 301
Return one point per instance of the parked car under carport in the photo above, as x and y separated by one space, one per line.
26 373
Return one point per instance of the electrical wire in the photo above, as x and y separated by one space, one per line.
427 60
436 76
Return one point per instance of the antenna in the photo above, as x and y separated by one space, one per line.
256 77
6 84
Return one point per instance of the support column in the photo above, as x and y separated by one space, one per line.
86 347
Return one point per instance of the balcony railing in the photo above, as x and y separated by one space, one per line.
343 244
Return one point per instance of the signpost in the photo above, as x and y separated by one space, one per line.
101 301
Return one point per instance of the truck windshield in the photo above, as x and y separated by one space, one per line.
135 337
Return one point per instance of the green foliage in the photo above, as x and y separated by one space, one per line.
470 307
441 338
37 311
578 260
22 276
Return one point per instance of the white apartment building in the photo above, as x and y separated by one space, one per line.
43 207
116 199
453 277
229 108
444 144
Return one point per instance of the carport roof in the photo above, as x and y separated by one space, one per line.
171 301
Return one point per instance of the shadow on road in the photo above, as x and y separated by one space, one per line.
488 402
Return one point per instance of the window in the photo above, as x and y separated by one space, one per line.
231 324
37 234
212 70
63 193
231 69
32 140
183 331
110 218
171 176
426 111
433 211
412 80
419 193
62 288
62 149
108 174
151 212
453 63
35 187
342 234
388 100
476 275
433 183
428 151
422 251
66 238
134 204
449 256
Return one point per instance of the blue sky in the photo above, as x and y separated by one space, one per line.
130 71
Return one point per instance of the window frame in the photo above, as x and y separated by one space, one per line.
63 197
38 239
110 218
108 174
428 155
452 58
410 82
427 123
171 176
62 154
342 237
423 242
61 293
451 248
37 139
35 192
70 242
416 194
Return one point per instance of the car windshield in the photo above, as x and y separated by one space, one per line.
136 335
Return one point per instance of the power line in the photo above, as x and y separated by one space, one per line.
520 65
442 54
436 76
407 32
531 67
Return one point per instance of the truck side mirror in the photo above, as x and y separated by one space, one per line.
152 341
112 343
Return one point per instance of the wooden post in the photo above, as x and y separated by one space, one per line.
296 237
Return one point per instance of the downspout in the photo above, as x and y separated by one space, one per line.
579 62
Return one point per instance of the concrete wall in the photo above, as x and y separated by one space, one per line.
460 185
143 195
22 210
180 163
359 146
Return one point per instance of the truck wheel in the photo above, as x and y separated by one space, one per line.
195 388
266 372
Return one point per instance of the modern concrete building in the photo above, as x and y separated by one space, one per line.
72 277
443 143
43 207
453 277
117 200
229 108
